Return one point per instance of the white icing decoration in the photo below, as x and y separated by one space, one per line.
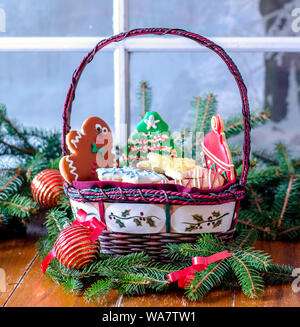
73 169
76 140
209 178
151 122
130 175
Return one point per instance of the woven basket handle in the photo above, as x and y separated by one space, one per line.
163 31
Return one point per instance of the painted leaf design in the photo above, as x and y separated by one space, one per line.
120 223
125 213
216 213
198 218
137 221
217 223
150 222
190 228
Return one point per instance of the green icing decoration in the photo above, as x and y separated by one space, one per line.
143 140
95 149
152 122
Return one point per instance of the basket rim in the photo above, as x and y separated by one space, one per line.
81 185
125 192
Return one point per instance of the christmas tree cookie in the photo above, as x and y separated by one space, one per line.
152 135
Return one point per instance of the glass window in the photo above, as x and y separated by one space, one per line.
272 80
57 18
176 78
217 18
34 87
206 17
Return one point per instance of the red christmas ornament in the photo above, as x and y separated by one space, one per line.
74 249
78 244
47 188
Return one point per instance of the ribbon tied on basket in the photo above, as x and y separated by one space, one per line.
186 275
94 225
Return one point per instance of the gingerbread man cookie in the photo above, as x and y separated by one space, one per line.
90 149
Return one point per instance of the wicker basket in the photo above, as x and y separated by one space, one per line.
174 202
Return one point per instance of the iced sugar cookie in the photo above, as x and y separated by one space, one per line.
206 182
157 161
215 150
129 175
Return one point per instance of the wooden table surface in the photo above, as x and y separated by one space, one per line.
27 287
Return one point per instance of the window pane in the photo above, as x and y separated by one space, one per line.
34 87
57 18
176 78
217 18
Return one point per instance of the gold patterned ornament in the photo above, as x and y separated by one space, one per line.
47 188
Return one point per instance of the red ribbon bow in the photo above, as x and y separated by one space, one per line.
186 275
92 224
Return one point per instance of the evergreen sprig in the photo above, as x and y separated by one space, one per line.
203 108
235 125
272 205
245 263
247 268
144 96
24 152
11 181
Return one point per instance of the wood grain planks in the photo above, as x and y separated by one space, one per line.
16 256
27 287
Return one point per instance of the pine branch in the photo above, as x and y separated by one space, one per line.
266 175
56 220
19 206
283 159
206 280
248 277
144 95
136 274
289 230
15 147
286 198
277 274
4 118
257 227
244 239
197 109
10 183
202 111
235 125
266 158
34 165
99 289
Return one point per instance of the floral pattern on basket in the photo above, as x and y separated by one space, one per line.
136 218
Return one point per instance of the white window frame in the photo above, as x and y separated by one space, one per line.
121 51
